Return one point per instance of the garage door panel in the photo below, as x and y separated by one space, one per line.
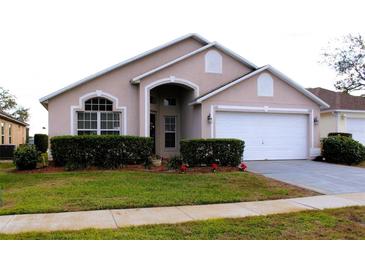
266 135
356 126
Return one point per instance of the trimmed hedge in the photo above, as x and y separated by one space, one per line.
342 150
26 157
41 142
106 151
225 152
340 134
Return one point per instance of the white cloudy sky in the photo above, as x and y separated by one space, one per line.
46 45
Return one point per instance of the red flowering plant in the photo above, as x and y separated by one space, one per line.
242 166
183 168
214 167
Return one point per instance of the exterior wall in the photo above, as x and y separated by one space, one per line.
117 84
336 121
18 132
328 123
192 70
245 94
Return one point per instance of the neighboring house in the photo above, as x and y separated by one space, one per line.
192 88
346 113
12 131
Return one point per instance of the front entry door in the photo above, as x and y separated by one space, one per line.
153 130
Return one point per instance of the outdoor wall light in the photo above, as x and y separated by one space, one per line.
209 118
315 121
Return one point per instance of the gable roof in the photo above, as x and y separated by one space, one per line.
274 71
339 100
195 36
137 79
11 118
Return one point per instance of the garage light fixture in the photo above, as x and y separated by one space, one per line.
209 118
315 121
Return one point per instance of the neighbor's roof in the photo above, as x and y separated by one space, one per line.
339 100
195 36
11 118
275 72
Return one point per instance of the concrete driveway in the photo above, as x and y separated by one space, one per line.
321 177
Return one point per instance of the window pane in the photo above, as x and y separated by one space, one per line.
169 139
99 104
110 132
94 116
169 102
86 132
80 124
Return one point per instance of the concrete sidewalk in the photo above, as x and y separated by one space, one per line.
170 215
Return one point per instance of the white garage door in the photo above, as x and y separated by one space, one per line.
266 135
357 128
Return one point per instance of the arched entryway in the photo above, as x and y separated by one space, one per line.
171 118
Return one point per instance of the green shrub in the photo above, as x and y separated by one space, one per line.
342 150
340 134
42 160
106 151
174 162
26 157
226 152
41 142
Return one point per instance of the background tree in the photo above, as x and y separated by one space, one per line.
347 58
9 105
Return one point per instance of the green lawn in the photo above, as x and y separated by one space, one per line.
88 190
343 223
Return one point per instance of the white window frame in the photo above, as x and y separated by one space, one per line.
98 122
97 93
170 131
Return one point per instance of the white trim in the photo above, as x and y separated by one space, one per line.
171 79
276 73
138 78
343 110
195 36
261 109
311 124
212 124
235 55
98 93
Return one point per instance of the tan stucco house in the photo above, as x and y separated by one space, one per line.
345 114
12 131
192 88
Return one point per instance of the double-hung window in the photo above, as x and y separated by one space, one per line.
2 133
170 131
98 118
10 134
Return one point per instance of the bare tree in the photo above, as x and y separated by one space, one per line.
347 58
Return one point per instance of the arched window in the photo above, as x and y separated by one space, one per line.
265 85
98 118
213 62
